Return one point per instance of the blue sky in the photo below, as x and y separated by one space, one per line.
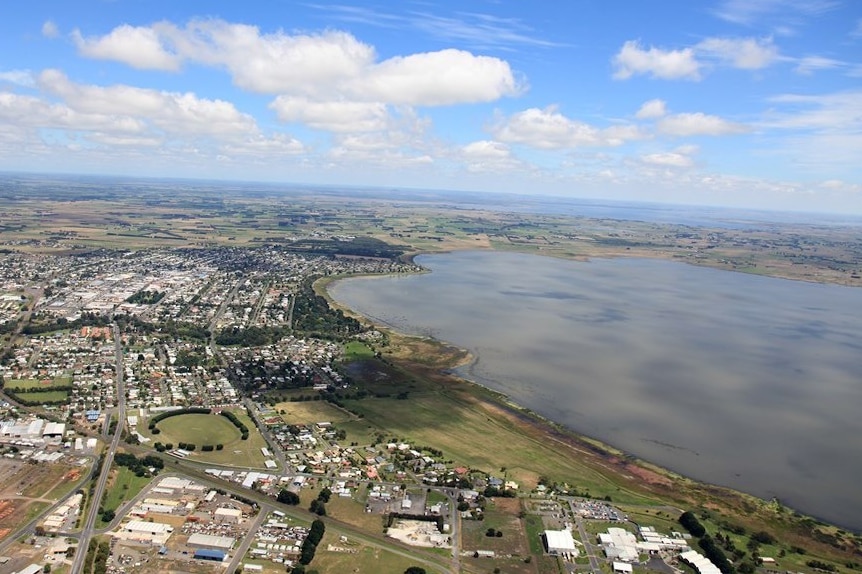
750 103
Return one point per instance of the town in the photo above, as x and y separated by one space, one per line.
64 364
207 409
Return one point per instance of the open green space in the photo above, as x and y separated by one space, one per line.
48 397
353 556
355 350
213 429
124 485
471 436
28 384
197 429
311 412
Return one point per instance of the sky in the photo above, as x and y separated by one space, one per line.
745 103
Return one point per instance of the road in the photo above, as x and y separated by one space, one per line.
219 312
243 547
88 527
588 546
274 447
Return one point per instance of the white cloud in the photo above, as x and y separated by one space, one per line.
259 145
338 116
658 63
23 78
698 124
139 47
50 30
438 78
489 156
688 63
651 109
182 114
810 64
839 112
741 53
271 63
679 157
549 129
667 159
486 149
332 65
33 112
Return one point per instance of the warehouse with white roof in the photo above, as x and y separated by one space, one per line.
560 542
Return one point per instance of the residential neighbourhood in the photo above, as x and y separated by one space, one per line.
123 346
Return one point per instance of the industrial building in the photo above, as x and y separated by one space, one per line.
228 515
699 562
619 544
212 542
559 542
207 554
155 533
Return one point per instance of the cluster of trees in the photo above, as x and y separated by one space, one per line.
189 359
318 505
715 554
493 533
818 565
140 466
287 497
144 297
237 423
96 560
254 336
710 549
309 545
162 416
39 389
690 522
358 246
46 324
493 491
313 316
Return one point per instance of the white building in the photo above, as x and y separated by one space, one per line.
560 542
198 540
228 515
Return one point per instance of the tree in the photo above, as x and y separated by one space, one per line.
288 497
415 570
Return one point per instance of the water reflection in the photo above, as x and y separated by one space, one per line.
735 379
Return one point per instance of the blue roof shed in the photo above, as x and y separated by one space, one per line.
207 554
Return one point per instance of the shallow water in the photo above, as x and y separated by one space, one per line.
734 379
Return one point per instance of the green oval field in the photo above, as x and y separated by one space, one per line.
198 429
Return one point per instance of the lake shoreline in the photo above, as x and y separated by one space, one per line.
462 373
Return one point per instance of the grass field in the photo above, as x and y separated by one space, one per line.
500 514
46 397
198 429
356 350
478 439
26 384
310 412
122 486
356 557
214 429
353 513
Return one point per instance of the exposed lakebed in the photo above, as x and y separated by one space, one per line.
744 381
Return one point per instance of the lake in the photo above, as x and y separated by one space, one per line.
739 380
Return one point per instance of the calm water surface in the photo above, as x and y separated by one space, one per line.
734 379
